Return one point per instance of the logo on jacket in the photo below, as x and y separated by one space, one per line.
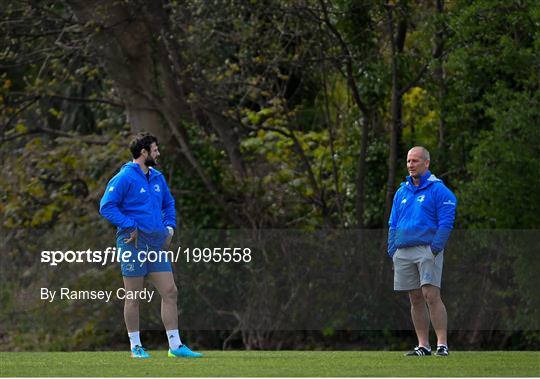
421 198
403 201
156 187
111 188
142 190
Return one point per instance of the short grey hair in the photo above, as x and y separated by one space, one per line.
425 152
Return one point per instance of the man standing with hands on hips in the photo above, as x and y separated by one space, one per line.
138 202
421 220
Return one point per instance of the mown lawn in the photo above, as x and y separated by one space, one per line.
272 363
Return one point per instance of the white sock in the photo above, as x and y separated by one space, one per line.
441 344
134 339
174 339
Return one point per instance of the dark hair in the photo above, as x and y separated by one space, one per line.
141 141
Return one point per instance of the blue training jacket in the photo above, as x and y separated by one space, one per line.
133 201
422 215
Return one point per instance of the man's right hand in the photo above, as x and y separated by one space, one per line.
132 237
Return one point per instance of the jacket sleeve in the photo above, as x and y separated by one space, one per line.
392 225
115 192
446 204
168 211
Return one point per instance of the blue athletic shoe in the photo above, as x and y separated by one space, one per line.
183 352
139 353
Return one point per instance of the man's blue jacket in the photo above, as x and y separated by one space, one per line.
131 200
421 215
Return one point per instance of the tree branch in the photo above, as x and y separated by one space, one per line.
58 133
414 81
348 59
69 98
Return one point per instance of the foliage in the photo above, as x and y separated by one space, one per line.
261 109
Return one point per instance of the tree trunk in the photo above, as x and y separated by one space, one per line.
361 174
363 107
132 45
442 163
122 46
397 43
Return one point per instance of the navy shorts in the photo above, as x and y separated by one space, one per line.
147 256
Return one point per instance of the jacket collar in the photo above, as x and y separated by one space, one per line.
425 180
135 167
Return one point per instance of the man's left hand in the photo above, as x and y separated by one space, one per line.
169 237
433 251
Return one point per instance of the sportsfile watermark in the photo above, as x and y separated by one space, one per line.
114 255
275 277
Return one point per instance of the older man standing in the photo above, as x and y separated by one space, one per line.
421 220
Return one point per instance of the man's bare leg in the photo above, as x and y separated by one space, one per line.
131 306
419 316
164 283
437 312
131 316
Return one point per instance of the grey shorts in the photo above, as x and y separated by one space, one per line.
416 266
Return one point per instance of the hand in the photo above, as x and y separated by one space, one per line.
169 237
132 237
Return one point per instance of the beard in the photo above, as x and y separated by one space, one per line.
149 162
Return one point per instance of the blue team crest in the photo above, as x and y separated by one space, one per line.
421 198
156 188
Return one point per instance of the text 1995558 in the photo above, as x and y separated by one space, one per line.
218 254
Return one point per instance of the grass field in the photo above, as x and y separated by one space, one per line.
272 363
